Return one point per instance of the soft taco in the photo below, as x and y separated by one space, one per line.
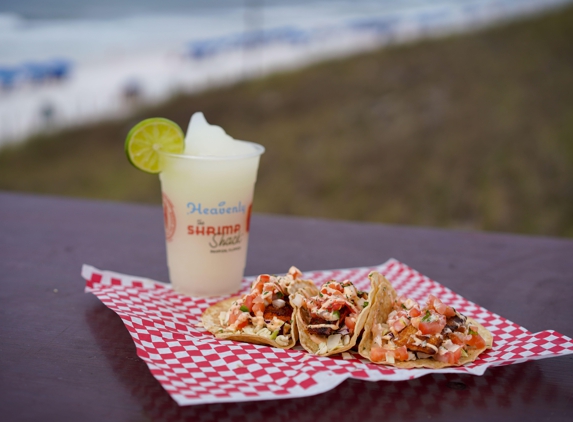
265 315
402 333
331 321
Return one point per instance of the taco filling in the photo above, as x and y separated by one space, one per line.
329 319
435 331
264 315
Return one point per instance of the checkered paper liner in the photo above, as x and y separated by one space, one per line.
196 368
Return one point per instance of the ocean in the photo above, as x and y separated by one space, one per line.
90 29
67 62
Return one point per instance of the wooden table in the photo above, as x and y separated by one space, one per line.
64 356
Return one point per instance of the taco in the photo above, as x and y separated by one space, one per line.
265 315
331 321
401 333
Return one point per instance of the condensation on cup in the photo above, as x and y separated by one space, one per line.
207 200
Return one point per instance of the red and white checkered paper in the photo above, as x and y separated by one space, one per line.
196 368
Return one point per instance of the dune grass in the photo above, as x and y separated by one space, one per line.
472 131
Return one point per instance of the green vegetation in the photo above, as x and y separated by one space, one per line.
472 131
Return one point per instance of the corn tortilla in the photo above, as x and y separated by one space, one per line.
312 347
382 307
211 322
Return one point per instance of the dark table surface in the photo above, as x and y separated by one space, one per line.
65 356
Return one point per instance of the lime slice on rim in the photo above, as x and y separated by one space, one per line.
148 137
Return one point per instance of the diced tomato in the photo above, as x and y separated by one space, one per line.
337 304
401 353
436 304
450 312
440 307
431 300
476 341
242 324
249 302
233 317
350 323
294 272
430 327
334 285
270 289
331 292
414 312
456 340
259 284
399 325
258 308
449 357
378 354
434 326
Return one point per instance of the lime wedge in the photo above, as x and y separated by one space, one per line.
148 137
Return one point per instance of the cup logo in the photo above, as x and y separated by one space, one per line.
168 218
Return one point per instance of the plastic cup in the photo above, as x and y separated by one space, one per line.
207 205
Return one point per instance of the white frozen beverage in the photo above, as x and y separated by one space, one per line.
207 199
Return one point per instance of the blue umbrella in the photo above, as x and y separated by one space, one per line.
8 76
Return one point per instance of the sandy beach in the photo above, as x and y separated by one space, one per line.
110 80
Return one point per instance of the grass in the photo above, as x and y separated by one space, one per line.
472 131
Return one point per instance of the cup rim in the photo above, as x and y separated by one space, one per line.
258 150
